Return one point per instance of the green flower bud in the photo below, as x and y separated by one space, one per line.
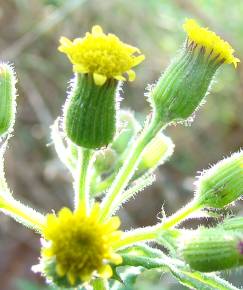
157 152
233 224
222 183
185 83
7 98
129 127
105 160
90 112
210 250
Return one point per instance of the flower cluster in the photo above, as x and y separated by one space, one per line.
83 246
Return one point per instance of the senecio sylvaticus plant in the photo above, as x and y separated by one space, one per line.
112 157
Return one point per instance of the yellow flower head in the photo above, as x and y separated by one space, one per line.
80 244
214 46
104 56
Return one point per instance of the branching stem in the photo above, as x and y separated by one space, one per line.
151 233
129 167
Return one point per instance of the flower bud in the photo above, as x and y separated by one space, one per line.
7 98
209 250
105 160
222 183
129 127
90 112
157 152
184 84
233 224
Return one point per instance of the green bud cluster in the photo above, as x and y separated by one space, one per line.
222 184
209 250
7 98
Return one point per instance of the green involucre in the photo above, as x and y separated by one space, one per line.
90 112
7 98
221 184
210 250
182 87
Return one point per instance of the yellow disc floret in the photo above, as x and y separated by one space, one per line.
104 56
80 245
211 42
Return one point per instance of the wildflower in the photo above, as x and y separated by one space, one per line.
103 56
79 246
185 83
100 62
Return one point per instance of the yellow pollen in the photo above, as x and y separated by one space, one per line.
210 41
104 56
79 245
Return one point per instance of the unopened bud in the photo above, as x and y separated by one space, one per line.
105 160
7 98
232 224
222 183
209 250
157 152
129 127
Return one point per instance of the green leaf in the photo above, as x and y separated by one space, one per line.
149 258
199 280
129 275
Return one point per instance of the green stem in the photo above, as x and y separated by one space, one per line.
150 233
22 213
127 170
82 180
103 185
180 215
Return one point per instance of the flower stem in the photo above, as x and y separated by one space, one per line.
127 170
180 215
82 180
22 213
150 233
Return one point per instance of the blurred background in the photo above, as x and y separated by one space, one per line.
29 35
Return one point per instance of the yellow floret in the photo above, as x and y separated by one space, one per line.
104 56
211 42
80 244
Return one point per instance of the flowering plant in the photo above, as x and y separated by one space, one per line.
111 158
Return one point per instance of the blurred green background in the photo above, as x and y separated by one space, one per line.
29 35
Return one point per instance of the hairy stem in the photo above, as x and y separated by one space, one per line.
22 213
82 180
150 233
127 170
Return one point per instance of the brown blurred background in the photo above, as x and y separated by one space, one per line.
29 34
